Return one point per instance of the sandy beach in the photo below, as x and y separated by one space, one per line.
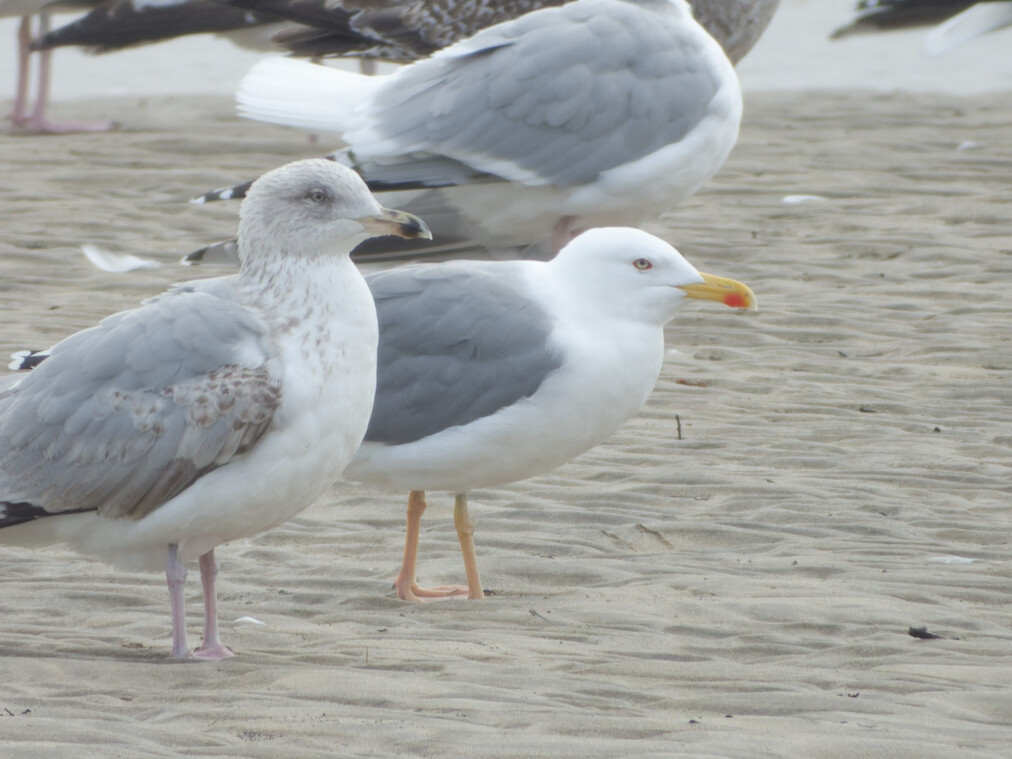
744 590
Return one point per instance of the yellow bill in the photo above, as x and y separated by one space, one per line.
730 292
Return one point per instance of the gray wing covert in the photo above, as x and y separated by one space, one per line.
126 415
455 345
555 98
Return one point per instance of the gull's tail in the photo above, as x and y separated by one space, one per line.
973 22
302 94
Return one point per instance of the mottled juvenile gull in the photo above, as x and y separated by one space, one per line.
402 31
493 372
212 412
595 113
736 24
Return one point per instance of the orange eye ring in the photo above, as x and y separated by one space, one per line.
642 264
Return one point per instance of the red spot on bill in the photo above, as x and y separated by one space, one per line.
735 300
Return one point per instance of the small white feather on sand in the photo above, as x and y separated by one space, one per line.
117 263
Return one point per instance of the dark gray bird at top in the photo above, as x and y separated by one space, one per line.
593 113
402 31
118 24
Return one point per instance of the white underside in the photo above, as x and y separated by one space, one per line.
506 213
609 370
315 431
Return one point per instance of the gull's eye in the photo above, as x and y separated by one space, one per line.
317 195
642 264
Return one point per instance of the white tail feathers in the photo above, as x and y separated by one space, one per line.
302 94
974 21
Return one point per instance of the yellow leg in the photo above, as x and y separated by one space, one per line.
465 532
407 587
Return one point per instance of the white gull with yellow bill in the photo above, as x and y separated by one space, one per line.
491 372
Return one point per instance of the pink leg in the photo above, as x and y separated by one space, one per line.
407 587
21 96
564 231
175 572
211 648
38 122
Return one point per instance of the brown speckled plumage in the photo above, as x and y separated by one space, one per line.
406 30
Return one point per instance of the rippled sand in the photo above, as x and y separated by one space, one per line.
745 590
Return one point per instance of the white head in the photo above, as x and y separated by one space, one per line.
634 274
314 208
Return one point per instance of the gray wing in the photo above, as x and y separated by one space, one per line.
456 344
124 416
554 97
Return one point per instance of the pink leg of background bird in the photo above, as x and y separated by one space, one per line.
565 230
17 116
37 121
